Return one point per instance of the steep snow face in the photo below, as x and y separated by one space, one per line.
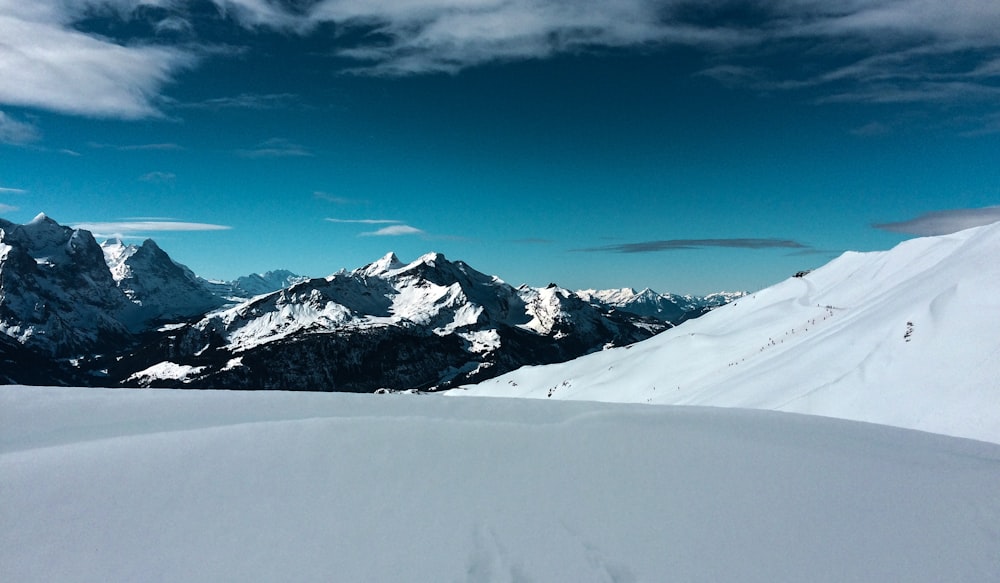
116 254
381 267
279 316
906 337
160 288
56 292
553 310
123 486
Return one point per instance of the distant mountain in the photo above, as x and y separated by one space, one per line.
671 308
429 323
255 284
905 337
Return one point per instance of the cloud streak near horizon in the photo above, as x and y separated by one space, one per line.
944 222
393 231
134 229
878 51
692 244
394 228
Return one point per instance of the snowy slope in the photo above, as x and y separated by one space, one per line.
115 486
906 337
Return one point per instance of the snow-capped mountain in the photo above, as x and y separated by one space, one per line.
252 285
160 288
904 337
431 322
672 308
57 296
257 284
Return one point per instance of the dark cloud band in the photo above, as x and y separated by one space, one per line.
689 244
944 222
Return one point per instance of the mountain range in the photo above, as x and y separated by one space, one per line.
117 314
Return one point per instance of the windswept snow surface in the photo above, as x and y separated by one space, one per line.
907 337
111 485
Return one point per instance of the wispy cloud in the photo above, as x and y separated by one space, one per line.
880 51
871 129
944 222
394 231
689 244
47 63
872 51
534 241
13 131
395 227
156 147
9 190
252 101
276 148
364 221
130 229
6 208
158 177
319 194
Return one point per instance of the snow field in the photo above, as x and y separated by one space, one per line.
160 485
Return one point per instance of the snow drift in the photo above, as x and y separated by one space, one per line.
905 337
167 485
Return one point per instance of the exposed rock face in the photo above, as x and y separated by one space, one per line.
57 295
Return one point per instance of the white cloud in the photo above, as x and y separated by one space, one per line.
364 221
319 194
9 190
16 132
945 222
45 63
6 208
887 51
394 231
157 147
253 101
128 229
276 148
158 177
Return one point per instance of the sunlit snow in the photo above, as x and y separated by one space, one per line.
906 337
166 485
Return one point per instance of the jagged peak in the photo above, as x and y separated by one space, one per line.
385 264
41 218
431 259
150 244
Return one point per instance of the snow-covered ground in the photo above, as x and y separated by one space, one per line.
907 337
165 485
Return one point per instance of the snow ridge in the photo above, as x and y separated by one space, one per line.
903 337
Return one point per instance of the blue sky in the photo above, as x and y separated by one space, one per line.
684 146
